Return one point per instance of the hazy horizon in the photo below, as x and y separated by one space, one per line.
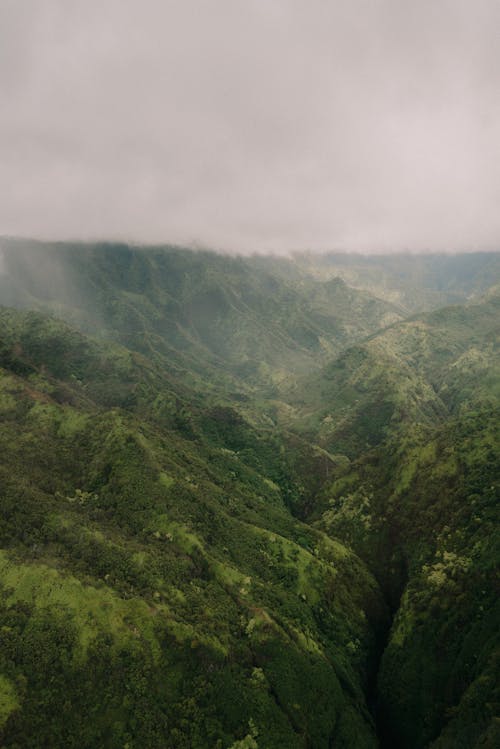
271 127
265 253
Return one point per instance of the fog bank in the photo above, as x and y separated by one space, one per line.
272 125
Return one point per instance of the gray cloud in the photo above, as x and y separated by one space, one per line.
252 124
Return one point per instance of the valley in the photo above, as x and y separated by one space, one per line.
248 503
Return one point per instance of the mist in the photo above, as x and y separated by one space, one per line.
264 126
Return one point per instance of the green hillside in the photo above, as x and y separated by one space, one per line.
154 579
414 372
245 505
210 315
420 506
413 282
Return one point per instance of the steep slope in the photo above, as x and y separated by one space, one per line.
215 316
155 589
420 506
423 513
414 372
203 532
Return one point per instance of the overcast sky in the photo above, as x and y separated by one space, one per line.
252 124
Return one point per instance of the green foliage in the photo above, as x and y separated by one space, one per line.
205 317
147 575
422 511
203 532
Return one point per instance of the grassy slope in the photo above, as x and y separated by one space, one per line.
414 372
154 580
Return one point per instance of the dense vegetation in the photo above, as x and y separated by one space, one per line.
245 505
420 506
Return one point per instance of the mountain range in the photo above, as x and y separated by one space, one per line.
248 502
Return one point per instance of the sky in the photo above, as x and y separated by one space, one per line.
252 125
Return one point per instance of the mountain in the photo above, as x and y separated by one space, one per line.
244 504
154 579
187 307
419 503
414 372
415 283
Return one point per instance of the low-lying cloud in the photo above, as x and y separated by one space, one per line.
252 125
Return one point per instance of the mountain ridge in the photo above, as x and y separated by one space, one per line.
199 554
